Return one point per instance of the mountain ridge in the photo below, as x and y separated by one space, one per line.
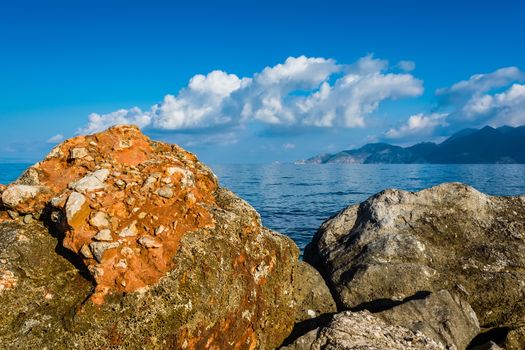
488 145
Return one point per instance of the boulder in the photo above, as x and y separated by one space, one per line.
515 339
440 316
141 249
362 331
397 244
312 297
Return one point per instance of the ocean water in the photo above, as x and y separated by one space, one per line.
296 199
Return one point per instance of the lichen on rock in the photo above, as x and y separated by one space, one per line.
166 257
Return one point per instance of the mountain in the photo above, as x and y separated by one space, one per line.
469 146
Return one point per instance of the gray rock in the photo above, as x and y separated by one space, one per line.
362 331
165 192
439 316
312 297
91 182
14 195
451 236
98 248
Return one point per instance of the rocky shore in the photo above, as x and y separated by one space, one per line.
115 241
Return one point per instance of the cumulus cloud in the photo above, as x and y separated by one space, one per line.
494 98
56 139
418 125
302 91
288 146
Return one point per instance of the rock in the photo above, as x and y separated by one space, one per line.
515 339
397 243
38 288
445 319
99 248
104 235
21 198
91 182
75 204
215 278
78 152
99 220
362 331
149 242
165 192
129 231
28 219
86 252
312 297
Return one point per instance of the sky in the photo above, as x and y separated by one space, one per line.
258 81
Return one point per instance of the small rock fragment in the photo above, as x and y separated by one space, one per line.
129 231
86 252
122 264
91 182
99 220
149 242
120 183
104 235
98 248
159 230
77 153
165 192
28 219
127 251
74 204
13 214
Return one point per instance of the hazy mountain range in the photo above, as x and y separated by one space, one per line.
469 146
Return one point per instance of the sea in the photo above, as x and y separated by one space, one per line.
296 199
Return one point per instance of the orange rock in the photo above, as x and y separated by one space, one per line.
139 185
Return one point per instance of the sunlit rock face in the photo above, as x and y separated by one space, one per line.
175 261
397 244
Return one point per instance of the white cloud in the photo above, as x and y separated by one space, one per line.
494 98
505 108
302 91
56 139
288 146
407 66
98 122
481 83
418 125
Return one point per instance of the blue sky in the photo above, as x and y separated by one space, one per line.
338 73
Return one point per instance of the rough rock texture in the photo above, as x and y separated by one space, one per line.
515 339
439 316
312 297
171 260
362 331
451 236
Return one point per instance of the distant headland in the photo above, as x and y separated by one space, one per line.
503 145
